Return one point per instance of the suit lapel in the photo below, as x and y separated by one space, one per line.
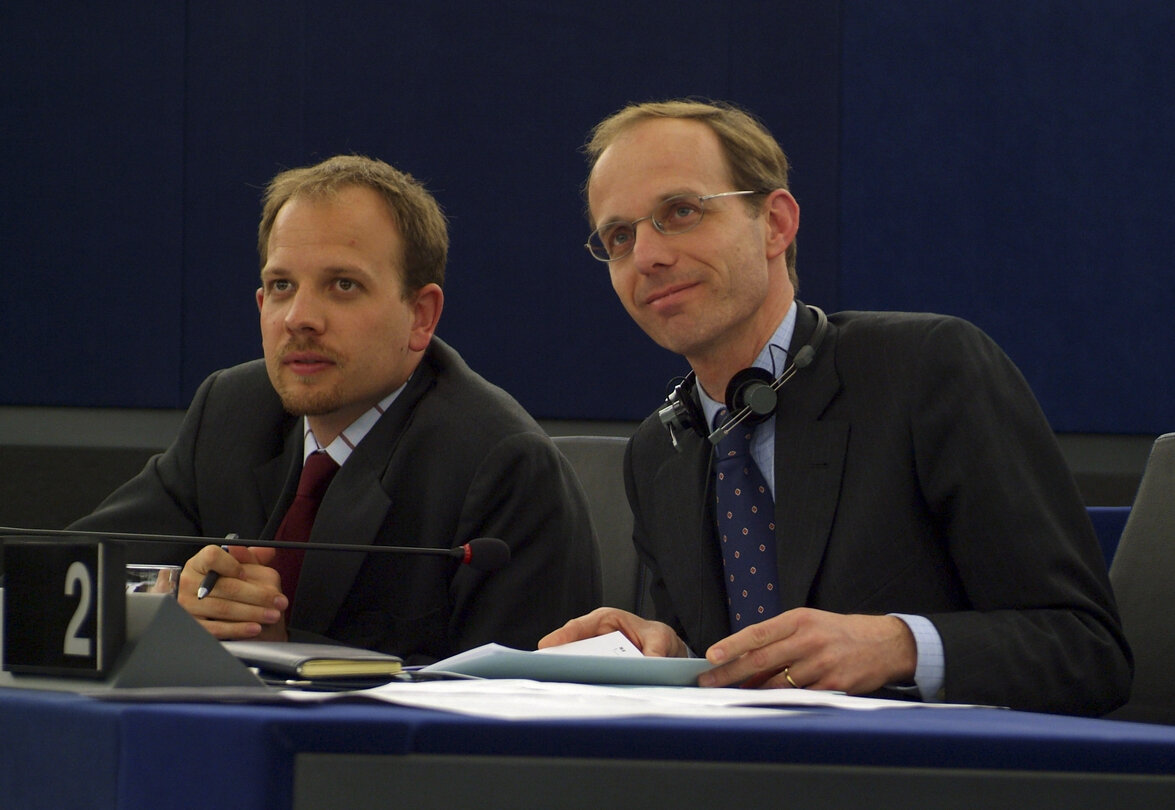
277 481
693 565
355 514
354 510
809 465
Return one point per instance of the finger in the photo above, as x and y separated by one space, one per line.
564 635
752 638
262 576
763 679
753 667
732 674
263 555
790 677
256 587
229 606
197 568
596 623
210 558
229 631
243 554
659 640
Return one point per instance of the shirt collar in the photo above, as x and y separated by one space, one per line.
340 449
773 358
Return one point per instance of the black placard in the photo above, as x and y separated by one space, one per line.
64 606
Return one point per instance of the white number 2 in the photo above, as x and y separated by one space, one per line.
77 577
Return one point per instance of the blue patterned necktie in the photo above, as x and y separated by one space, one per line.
746 527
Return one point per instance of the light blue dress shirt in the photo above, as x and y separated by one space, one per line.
340 449
931 666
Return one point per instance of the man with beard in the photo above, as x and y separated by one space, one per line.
412 447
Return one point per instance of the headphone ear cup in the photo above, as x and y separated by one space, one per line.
695 418
750 389
751 395
682 411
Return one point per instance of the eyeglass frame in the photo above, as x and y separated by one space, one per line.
701 198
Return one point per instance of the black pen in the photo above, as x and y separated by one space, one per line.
211 577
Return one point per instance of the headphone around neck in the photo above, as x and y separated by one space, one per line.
751 396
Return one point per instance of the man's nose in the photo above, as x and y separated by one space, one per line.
650 249
305 313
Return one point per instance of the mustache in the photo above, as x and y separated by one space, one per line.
310 346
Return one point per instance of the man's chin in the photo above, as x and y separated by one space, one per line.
683 344
309 403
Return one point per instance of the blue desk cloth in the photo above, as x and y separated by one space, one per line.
60 750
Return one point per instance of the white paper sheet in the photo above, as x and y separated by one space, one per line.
608 659
598 677
520 699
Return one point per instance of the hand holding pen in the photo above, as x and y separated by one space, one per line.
211 577
245 592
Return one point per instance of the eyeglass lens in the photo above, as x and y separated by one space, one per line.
672 216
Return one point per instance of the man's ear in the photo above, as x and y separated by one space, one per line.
783 220
427 303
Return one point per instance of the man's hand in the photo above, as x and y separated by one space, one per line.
818 650
651 638
245 603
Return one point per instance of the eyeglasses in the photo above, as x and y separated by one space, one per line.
675 215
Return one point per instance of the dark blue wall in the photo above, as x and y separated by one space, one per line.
1014 163
1008 161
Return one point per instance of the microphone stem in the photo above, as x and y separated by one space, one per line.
6 531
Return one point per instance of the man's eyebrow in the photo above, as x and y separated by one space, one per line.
669 195
332 271
612 221
346 270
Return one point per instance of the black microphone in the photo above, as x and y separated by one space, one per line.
480 553
484 553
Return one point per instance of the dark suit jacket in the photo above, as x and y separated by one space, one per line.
914 473
453 458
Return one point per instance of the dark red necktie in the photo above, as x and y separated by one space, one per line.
295 526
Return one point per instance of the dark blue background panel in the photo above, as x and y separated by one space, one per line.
488 106
1011 163
91 159
1008 163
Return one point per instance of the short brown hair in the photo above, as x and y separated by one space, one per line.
417 214
753 156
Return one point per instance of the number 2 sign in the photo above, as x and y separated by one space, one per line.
64 606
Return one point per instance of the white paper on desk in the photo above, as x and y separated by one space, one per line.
518 699
609 659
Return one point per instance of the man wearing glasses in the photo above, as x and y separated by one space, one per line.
863 502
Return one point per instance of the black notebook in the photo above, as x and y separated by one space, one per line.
310 661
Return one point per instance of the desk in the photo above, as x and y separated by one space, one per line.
59 750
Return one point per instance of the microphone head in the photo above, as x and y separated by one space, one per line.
487 553
804 357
